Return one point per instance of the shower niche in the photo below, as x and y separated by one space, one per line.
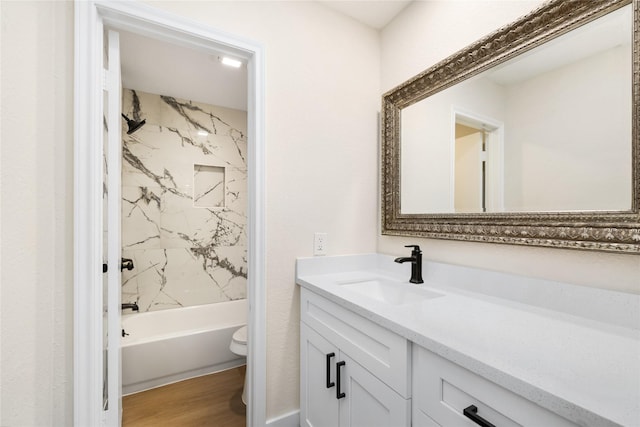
208 186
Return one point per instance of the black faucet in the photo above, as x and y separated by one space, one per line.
416 263
132 305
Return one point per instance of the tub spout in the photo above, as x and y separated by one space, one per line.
132 305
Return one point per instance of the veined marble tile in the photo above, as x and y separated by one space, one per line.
221 228
183 225
150 157
141 207
177 112
237 190
144 284
232 262
225 127
170 278
154 156
184 268
236 288
184 254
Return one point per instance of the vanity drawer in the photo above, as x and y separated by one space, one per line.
382 352
443 389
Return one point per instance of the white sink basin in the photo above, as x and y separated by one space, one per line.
389 291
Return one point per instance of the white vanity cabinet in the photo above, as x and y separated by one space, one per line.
510 350
353 372
443 390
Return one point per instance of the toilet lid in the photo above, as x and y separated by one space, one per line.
240 336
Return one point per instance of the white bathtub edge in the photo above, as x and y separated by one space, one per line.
170 379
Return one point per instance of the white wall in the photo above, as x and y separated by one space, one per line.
322 84
586 158
322 99
420 37
36 165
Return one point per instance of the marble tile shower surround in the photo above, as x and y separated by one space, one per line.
184 254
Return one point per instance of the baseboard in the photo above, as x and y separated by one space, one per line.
292 419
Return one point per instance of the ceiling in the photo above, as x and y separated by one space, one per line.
374 13
159 67
603 34
162 68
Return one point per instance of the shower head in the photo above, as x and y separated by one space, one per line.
133 125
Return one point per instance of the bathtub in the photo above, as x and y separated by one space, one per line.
172 345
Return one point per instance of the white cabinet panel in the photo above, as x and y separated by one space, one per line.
420 419
443 389
318 403
368 402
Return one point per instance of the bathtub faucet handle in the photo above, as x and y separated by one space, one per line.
132 305
126 263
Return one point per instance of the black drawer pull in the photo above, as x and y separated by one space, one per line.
471 412
339 394
329 382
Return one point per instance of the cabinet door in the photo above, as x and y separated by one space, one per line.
368 402
318 403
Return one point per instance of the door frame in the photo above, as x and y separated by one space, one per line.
90 19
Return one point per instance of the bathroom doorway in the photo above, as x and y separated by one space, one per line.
96 389
183 212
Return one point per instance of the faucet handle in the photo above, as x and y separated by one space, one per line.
416 248
126 263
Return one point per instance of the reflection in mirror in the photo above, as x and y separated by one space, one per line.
547 131
477 181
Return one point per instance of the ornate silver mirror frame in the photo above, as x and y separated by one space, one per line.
617 231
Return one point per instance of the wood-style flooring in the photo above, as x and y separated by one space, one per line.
210 400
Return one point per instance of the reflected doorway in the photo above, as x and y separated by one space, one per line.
478 165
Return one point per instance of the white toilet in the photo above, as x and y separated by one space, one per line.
239 346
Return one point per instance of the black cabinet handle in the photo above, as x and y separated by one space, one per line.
470 412
329 382
339 394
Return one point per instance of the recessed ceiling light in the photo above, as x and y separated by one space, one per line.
231 62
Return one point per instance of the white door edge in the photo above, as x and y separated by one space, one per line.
114 164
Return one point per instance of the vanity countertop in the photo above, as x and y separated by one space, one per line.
570 349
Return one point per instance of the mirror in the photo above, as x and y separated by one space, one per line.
528 136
